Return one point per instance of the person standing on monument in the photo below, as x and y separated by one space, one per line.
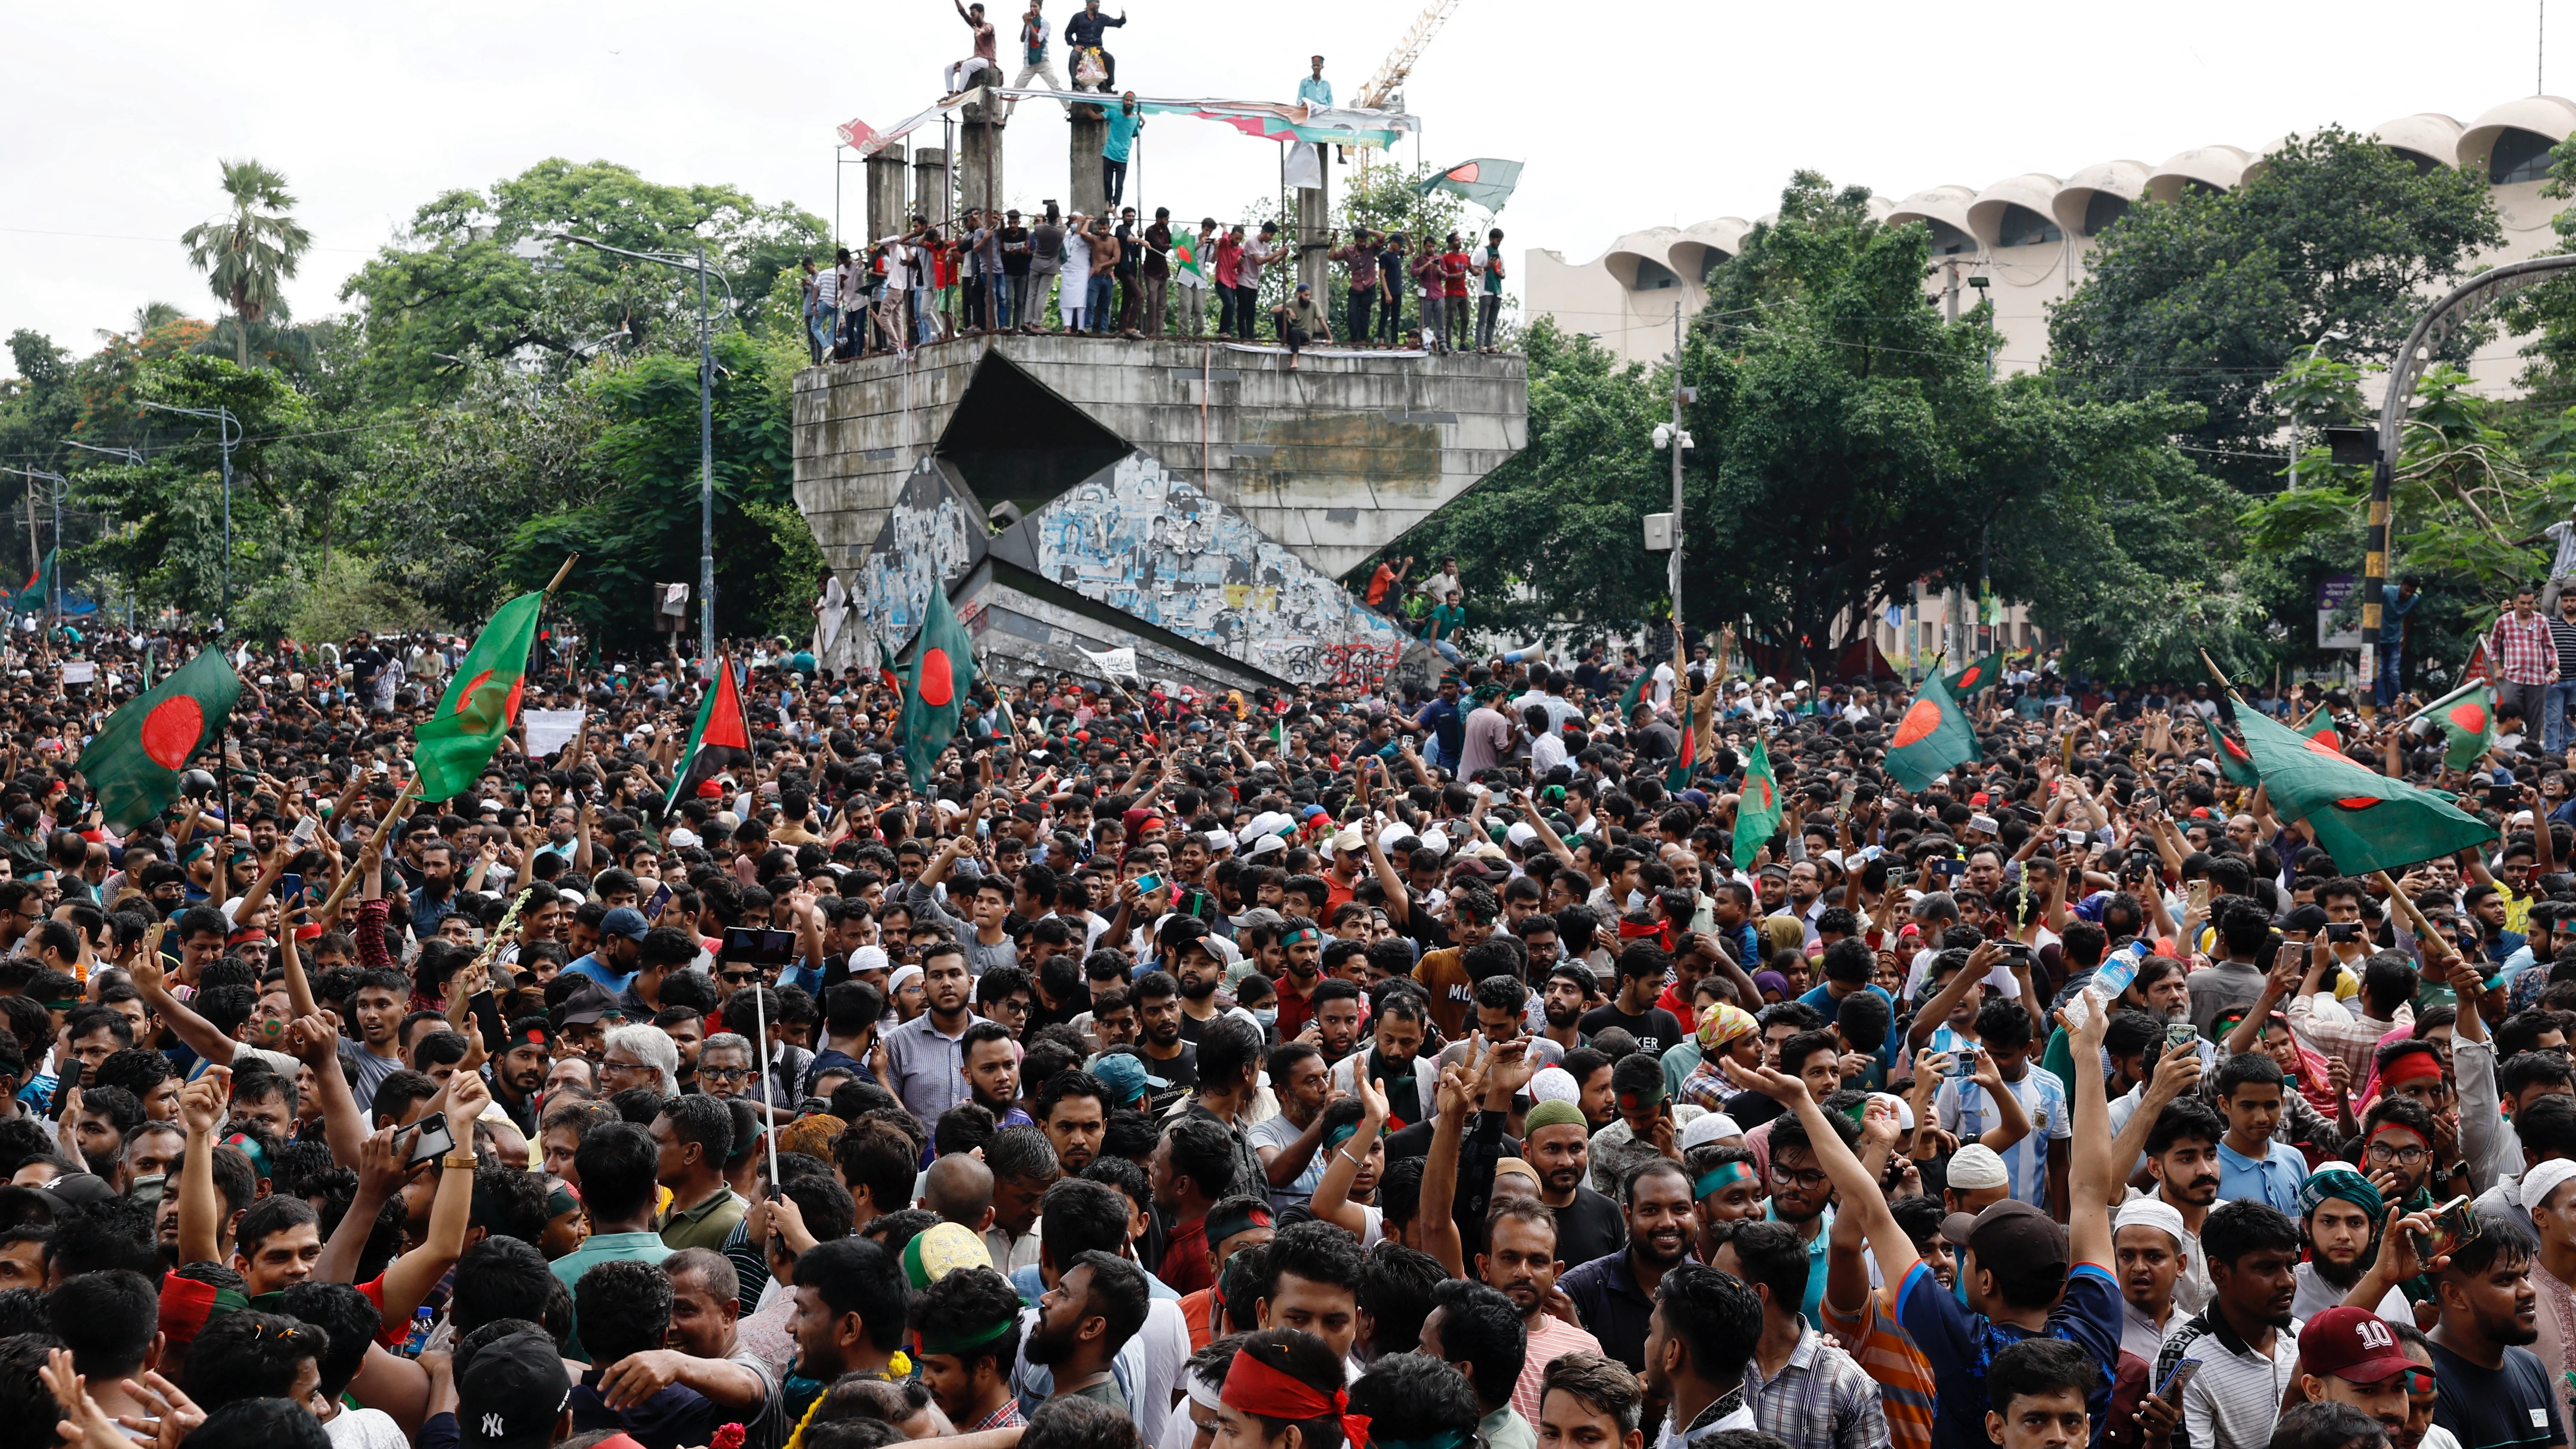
1315 91
1085 32
1115 146
1034 64
984 58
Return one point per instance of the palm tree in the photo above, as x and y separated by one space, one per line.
248 253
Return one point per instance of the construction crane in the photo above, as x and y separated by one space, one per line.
1389 80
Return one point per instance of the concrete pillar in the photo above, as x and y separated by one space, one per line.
1090 131
979 157
1314 217
930 185
887 212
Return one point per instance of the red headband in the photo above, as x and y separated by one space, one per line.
2409 1067
1257 1388
1661 931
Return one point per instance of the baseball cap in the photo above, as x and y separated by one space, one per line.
1124 1074
510 1393
2011 1231
625 921
585 1005
2353 1344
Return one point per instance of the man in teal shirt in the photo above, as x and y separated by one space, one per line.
1124 123
616 1161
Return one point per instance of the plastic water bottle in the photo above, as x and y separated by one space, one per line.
423 1320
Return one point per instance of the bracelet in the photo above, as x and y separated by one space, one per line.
469 1162
1345 1154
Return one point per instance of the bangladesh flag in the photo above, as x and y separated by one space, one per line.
1931 738
933 700
1677 778
887 674
30 599
2467 718
133 765
2364 820
1636 691
719 741
481 702
1185 256
1757 808
1983 674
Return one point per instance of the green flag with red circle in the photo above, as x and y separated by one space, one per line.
1984 674
133 763
721 739
1931 737
2467 719
2364 820
481 703
943 670
1757 805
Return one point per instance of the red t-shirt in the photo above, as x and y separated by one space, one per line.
1453 266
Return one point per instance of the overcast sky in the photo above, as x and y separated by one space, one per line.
1656 112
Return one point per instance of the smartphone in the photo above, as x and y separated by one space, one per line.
1949 867
2170 1390
2196 895
2017 953
1963 1062
1851 792
2073 839
2182 1036
431 1137
754 946
1148 883
2343 930
1897 877
290 889
2500 797
661 897
2454 1223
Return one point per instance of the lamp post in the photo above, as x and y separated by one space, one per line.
55 484
132 458
228 433
534 248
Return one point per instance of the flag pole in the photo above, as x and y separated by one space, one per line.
400 807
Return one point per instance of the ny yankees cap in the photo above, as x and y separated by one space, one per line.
511 1392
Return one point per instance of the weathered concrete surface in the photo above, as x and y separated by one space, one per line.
1332 461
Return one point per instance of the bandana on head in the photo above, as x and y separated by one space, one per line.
1723 1023
2338 1181
1718 1179
2411 1067
1255 1387
1659 932
1242 1220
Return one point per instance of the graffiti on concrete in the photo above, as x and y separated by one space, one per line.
933 536
1150 544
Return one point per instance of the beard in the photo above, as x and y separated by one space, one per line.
1561 1017
1047 1347
2339 1275
2508 1329
1198 988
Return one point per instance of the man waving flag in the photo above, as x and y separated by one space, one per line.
719 741
481 702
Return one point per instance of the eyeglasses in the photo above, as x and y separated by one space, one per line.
1810 1179
2409 1156
738 976
724 1074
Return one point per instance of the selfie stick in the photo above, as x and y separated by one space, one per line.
768 1084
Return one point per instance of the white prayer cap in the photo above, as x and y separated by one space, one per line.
1977 1166
2542 1180
1714 1127
1554 1084
2149 1212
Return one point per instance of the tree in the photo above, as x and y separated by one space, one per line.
2207 298
249 253
458 288
1849 442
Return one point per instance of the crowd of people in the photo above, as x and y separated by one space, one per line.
1267 1068
993 273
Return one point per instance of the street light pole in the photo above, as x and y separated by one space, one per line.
228 434
706 415
55 484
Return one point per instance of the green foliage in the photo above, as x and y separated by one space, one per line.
457 288
2208 298
1848 443
249 252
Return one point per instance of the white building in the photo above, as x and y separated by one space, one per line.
2028 236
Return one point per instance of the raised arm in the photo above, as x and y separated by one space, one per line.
1853 1185
2091 1170
1332 1201
201 1111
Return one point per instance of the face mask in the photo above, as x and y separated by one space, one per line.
1268 1016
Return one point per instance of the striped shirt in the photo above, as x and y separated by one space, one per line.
1887 1354
1966 1109
1549 1337
2235 1396
1820 1399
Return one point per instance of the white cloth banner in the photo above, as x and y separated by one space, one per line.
79 671
1118 663
550 730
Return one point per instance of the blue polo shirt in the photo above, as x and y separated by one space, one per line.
2274 1180
1822 999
